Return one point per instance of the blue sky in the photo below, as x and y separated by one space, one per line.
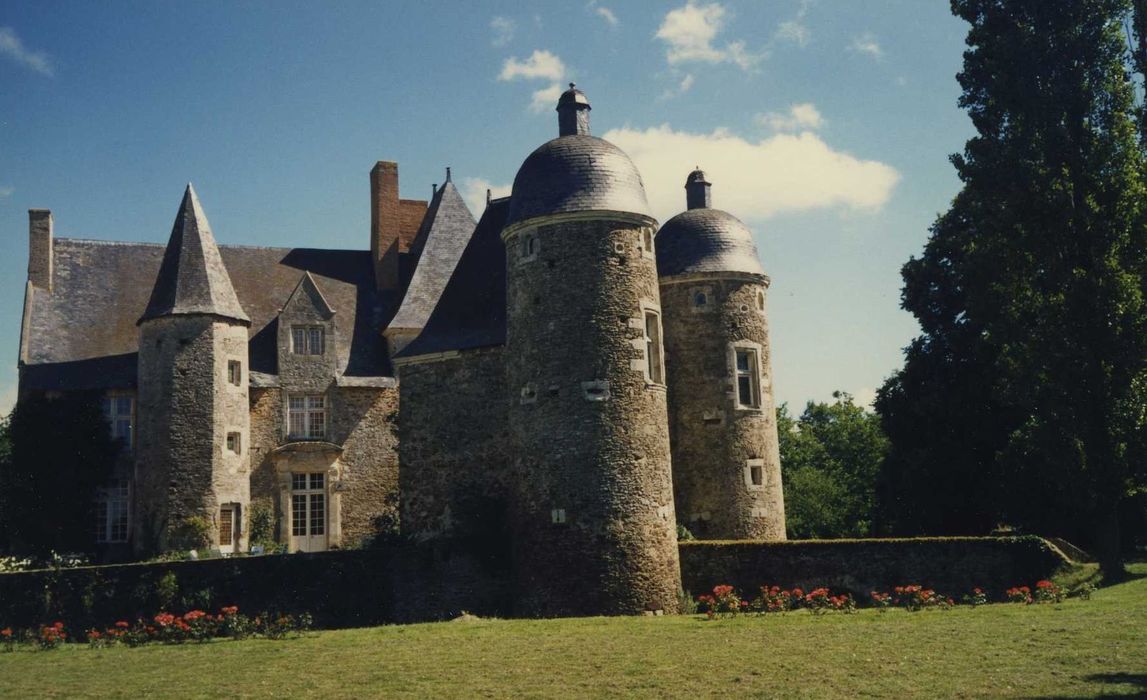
824 124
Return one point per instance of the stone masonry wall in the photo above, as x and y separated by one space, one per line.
453 445
183 416
715 442
594 525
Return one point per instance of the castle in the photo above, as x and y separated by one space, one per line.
535 373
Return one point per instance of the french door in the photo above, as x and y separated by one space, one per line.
308 512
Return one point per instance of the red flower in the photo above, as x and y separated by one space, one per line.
122 625
6 632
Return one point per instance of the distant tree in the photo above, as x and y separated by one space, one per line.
1025 398
830 457
61 453
5 459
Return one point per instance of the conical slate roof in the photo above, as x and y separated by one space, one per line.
192 278
445 231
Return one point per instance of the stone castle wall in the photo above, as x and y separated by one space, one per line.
594 525
184 411
714 441
454 446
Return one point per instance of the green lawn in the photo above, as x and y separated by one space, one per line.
1076 649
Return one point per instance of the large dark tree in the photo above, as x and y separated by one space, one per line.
61 453
1024 398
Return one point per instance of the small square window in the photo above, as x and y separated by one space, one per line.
235 372
700 299
756 475
558 516
234 443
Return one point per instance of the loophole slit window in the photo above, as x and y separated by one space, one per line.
654 371
748 379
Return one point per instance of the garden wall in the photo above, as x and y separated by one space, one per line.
950 565
417 582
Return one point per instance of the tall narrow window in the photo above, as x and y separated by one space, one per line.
235 372
653 369
307 417
308 511
226 527
119 409
112 514
748 379
308 340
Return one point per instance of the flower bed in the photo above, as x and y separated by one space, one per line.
726 601
164 628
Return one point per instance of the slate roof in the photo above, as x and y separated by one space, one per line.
439 244
706 240
472 310
192 278
83 334
576 173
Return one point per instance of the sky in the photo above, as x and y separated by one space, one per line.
825 125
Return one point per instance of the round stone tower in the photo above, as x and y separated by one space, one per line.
192 475
722 420
594 525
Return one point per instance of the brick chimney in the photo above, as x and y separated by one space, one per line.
394 223
40 248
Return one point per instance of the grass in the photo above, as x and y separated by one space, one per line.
1075 649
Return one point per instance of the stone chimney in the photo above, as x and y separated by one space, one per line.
573 113
40 248
394 223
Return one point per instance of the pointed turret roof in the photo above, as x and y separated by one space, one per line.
192 278
444 234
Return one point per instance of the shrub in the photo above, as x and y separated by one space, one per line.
51 636
1048 592
776 599
915 598
881 601
820 600
1019 594
7 639
976 597
193 532
723 601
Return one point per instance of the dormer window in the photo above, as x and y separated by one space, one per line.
308 340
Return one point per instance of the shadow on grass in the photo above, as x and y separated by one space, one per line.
1137 681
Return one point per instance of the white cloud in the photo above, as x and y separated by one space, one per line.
866 43
13 48
6 192
473 190
795 30
799 117
503 28
605 13
689 33
541 65
681 89
756 180
546 98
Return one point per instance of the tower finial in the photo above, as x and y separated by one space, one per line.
573 113
447 173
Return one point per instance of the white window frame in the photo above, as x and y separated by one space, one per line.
312 410
122 425
308 340
304 486
752 373
113 511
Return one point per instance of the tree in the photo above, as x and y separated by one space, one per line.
1031 290
829 461
61 453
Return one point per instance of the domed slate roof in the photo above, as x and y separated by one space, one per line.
703 239
576 171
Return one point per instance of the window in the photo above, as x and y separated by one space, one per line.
228 530
307 340
755 474
235 372
760 301
558 516
234 443
647 239
653 369
748 379
529 247
308 504
119 409
307 417
112 514
700 299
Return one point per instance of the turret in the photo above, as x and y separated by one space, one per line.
192 468
722 418
594 524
